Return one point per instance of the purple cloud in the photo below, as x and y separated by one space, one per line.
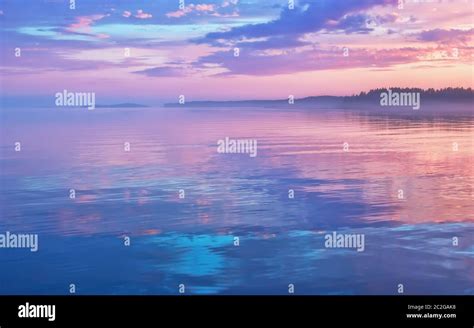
164 71
359 23
277 42
446 36
308 60
308 17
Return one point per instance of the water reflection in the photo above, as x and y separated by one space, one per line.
191 240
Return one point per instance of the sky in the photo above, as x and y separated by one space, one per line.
151 51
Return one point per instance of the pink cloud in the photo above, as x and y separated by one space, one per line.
204 7
84 22
179 13
176 14
83 26
140 14
200 8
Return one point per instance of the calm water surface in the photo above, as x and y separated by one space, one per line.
191 241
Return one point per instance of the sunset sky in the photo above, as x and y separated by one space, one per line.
190 51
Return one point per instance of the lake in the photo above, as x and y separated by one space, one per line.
139 201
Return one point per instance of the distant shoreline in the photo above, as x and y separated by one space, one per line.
369 100
457 99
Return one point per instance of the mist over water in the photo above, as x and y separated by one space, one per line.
190 240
